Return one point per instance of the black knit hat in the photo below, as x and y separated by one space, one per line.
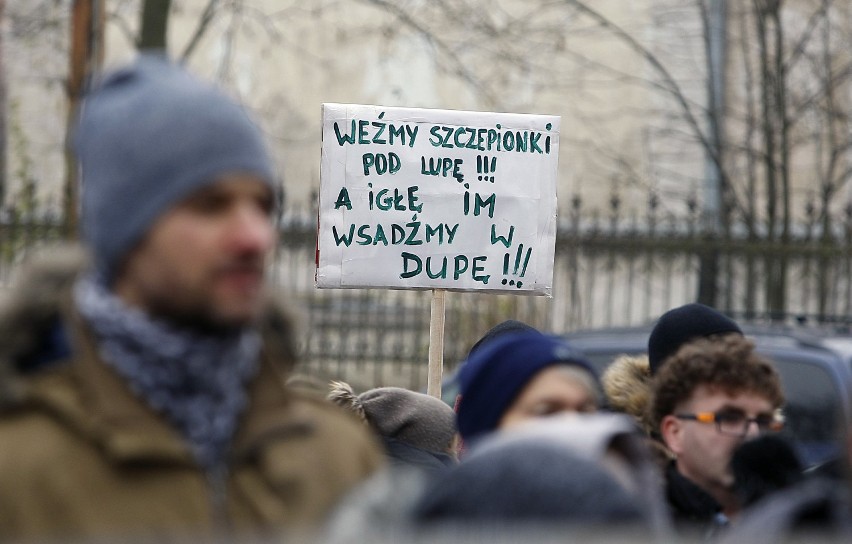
683 324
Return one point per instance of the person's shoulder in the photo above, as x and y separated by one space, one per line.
317 442
35 445
331 423
39 460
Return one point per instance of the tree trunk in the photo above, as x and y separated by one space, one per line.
155 22
751 127
776 150
3 141
783 124
766 96
779 295
714 19
87 31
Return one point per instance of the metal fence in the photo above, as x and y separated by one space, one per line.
609 270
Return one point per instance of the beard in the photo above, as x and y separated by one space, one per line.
202 313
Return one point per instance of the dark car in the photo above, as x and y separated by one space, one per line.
816 376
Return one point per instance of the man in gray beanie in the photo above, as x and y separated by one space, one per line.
144 395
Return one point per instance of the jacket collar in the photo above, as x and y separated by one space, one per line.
90 398
95 401
688 500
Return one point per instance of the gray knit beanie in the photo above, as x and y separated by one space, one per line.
148 136
416 419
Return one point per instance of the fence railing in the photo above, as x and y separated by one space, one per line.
608 271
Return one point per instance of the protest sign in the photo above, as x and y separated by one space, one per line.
437 199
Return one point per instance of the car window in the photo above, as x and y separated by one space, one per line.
813 408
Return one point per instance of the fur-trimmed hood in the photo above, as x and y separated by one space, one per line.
35 308
627 385
31 307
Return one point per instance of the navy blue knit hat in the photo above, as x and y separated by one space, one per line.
680 325
149 135
498 330
495 374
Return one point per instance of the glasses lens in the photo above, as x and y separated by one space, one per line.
768 423
732 423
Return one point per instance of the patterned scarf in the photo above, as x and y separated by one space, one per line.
196 381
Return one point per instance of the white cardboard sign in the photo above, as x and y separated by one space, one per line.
437 199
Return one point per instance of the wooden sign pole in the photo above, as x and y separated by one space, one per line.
436 344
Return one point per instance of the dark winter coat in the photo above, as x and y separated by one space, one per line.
82 457
406 455
694 512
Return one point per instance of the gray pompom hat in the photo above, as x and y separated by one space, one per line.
149 135
416 419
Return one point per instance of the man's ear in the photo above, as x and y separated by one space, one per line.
671 429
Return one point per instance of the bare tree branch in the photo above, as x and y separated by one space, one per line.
459 67
801 45
669 84
200 29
